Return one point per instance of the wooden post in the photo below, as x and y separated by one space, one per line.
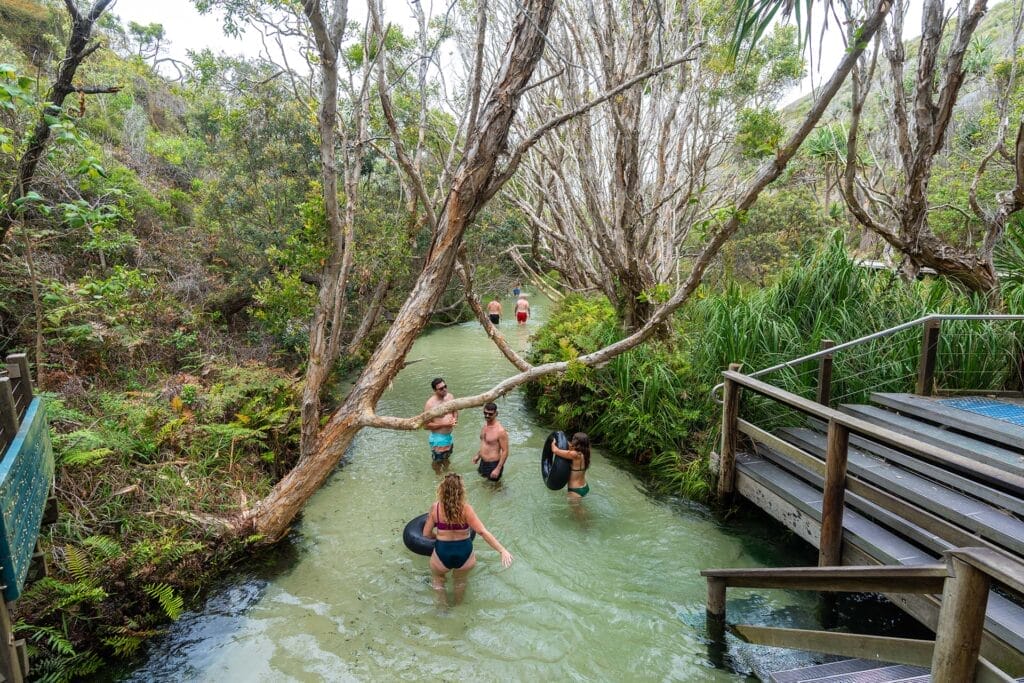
730 437
926 364
715 617
825 374
10 658
831 541
961 621
8 414
17 368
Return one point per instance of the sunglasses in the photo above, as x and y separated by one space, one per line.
487 414
441 388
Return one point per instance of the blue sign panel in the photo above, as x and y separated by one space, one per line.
26 472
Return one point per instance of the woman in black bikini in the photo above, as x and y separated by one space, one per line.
449 521
579 453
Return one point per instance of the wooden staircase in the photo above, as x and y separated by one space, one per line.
902 506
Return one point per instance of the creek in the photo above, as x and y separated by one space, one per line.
610 593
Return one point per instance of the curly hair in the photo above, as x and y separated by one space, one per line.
452 494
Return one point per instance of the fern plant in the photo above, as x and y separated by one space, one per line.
171 603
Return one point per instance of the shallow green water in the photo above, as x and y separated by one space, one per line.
611 594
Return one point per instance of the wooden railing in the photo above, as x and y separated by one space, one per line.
964 581
930 327
15 397
840 427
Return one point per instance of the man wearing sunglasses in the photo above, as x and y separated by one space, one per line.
493 445
441 441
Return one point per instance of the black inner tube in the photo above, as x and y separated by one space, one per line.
555 469
414 539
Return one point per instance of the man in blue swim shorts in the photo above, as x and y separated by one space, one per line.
441 428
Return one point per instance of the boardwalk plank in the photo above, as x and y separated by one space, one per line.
1004 619
1006 434
949 504
982 451
944 476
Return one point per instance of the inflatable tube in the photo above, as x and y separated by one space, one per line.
414 539
555 469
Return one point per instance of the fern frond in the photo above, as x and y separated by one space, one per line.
171 602
78 563
106 547
55 639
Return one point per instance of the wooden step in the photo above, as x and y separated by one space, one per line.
1003 618
909 531
970 513
946 477
962 444
857 529
1006 434
819 670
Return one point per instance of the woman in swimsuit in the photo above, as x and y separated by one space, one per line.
579 453
449 521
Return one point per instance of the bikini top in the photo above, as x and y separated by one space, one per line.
445 526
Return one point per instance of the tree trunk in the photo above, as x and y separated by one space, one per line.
78 49
472 182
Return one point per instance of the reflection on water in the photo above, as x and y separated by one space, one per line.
611 594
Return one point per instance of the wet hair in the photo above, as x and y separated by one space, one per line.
434 382
451 493
491 407
581 444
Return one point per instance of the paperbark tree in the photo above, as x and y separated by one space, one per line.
476 178
613 198
890 194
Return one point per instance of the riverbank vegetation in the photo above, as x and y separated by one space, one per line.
654 404
195 252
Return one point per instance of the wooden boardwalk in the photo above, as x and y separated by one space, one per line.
904 508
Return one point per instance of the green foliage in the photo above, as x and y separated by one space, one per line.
759 132
653 403
170 602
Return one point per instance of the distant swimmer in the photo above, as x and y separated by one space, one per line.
440 440
493 445
494 311
516 290
522 309
579 453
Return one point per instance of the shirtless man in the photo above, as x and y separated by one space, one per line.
522 309
440 427
494 311
493 445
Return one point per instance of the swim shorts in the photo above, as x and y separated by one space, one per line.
440 446
495 318
486 467
521 316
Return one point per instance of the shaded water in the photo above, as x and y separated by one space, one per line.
610 594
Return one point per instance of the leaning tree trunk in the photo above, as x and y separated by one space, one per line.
472 184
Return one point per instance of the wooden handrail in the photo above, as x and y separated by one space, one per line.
964 580
1006 480
925 579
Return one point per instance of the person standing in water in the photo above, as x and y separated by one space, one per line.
494 311
493 445
516 290
440 440
449 520
579 454
522 309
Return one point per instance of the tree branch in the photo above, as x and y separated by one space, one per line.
517 156
465 274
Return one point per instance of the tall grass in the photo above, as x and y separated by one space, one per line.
653 404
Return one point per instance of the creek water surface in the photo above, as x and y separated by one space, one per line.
608 592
